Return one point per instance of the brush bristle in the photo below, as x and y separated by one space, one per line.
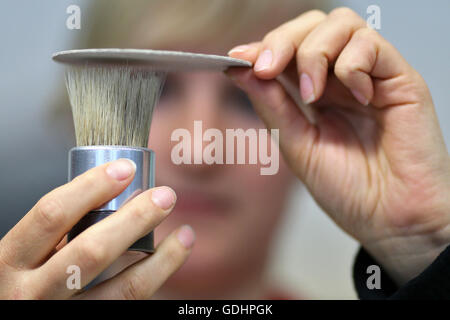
113 105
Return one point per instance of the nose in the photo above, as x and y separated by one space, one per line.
201 110
202 102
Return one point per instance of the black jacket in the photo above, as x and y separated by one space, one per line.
432 283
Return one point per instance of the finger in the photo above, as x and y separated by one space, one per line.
37 234
247 52
279 46
98 246
320 49
142 279
368 56
278 111
61 244
58 247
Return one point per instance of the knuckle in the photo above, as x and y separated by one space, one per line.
416 88
89 180
133 288
50 213
316 14
91 253
306 53
271 35
344 70
343 12
365 33
145 213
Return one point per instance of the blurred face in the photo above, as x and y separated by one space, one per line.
232 208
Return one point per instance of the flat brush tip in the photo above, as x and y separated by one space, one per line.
113 105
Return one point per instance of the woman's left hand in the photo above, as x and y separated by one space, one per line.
375 160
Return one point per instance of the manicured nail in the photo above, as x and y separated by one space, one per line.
239 49
307 88
121 169
264 60
186 236
164 197
360 97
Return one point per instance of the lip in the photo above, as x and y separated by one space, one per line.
202 203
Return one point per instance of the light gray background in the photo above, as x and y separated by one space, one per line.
311 255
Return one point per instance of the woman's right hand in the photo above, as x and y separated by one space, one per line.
375 159
34 255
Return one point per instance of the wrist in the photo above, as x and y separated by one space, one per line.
406 256
406 250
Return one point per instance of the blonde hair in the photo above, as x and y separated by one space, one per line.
174 23
210 25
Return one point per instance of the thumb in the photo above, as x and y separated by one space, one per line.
278 111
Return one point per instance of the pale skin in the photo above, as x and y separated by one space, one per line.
34 259
375 161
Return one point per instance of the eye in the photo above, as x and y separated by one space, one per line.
237 99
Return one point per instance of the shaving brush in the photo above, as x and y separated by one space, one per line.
112 107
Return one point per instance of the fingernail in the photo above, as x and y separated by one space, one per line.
163 197
239 49
264 60
121 169
186 236
360 97
307 88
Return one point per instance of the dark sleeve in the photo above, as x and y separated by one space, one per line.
432 283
